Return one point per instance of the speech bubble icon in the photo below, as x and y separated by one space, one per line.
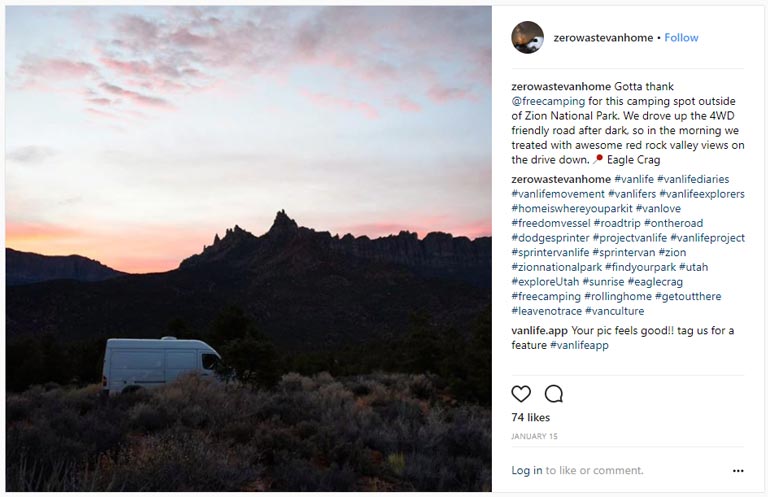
554 394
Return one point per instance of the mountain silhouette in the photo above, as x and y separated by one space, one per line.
26 267
438 255
303 288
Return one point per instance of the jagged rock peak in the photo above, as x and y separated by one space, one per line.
236 229
283 223
232 236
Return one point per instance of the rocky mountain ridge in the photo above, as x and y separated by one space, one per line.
302 288
27 267
437 254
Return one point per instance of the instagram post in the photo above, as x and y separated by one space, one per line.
513 248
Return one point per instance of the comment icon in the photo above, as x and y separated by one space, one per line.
554 394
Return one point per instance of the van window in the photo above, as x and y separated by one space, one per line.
137 359
209 361
180 360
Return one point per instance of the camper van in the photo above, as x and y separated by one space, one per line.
130 363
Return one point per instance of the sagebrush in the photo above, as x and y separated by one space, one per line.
373 432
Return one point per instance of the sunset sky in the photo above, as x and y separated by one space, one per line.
133 135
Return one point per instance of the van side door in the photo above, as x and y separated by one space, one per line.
178 362
135 367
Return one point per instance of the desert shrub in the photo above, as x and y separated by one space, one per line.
49 437
421 387
427 473
380 395
238 432
195 417
333 395
360 389
52 435
402 410
148 417
192 400
180 461
470 435
291 382
17 408
84 399
323 378
334 443
125 401
294 382
301 476
306 429
304 434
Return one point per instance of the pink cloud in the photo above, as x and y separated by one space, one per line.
407 105
137 31
45 74
129 68
101 101
84 18
144 100
186 39
381 71
330 101
34 67
152 74
157 84
442 94
100 113
481 67
385 51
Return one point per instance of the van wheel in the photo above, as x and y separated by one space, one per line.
132 389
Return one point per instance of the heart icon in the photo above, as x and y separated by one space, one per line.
521 393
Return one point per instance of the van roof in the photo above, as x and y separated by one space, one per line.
152 343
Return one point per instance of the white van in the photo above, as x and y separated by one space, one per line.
131 363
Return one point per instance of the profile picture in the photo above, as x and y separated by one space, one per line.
527 37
